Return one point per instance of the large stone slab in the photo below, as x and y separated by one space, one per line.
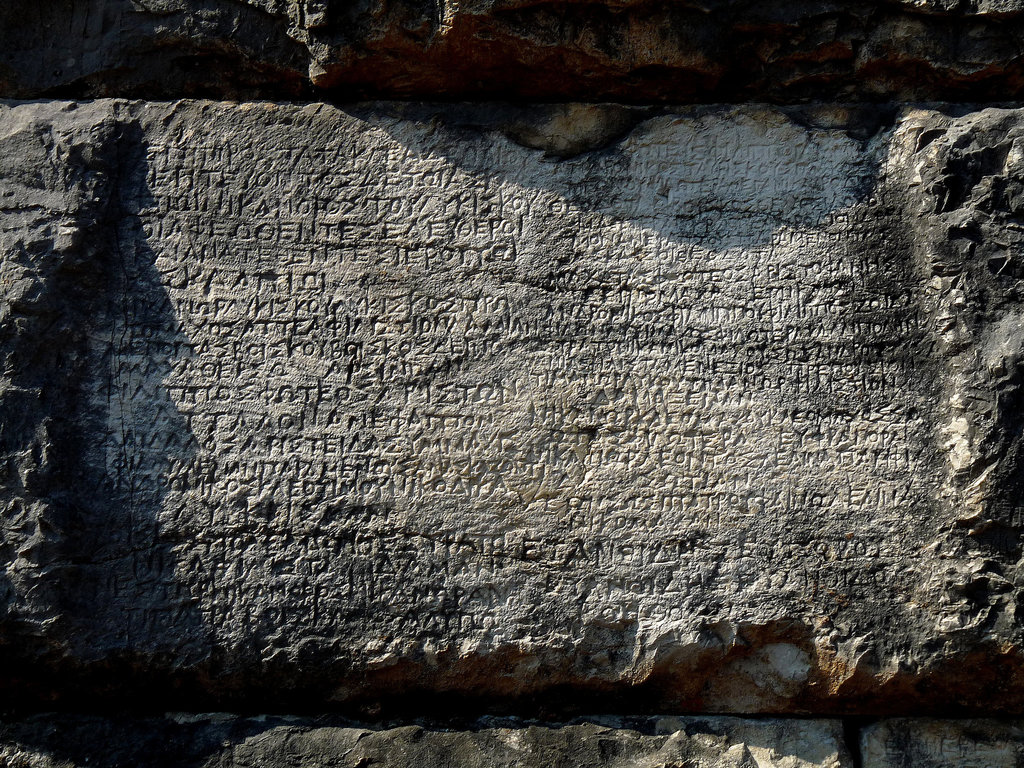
626 50
709 410
218 741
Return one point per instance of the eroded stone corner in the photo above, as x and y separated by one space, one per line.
964 177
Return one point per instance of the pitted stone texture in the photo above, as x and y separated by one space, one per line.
626 50
59 216
919 743
966 175
56 741
521 407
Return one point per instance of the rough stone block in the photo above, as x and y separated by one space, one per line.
218 741
705 410
782 51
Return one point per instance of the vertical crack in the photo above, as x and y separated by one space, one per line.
853 727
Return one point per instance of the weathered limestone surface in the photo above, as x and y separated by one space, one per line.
543 407
919 743
218 741
624 50
56 740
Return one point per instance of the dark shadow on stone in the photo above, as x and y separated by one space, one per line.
90 430
116 741
82 50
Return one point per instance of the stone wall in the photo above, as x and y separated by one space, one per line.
633 51
642 432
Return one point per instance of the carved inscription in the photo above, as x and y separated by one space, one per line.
409 383
942 744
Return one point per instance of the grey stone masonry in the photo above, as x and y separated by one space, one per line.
714 409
